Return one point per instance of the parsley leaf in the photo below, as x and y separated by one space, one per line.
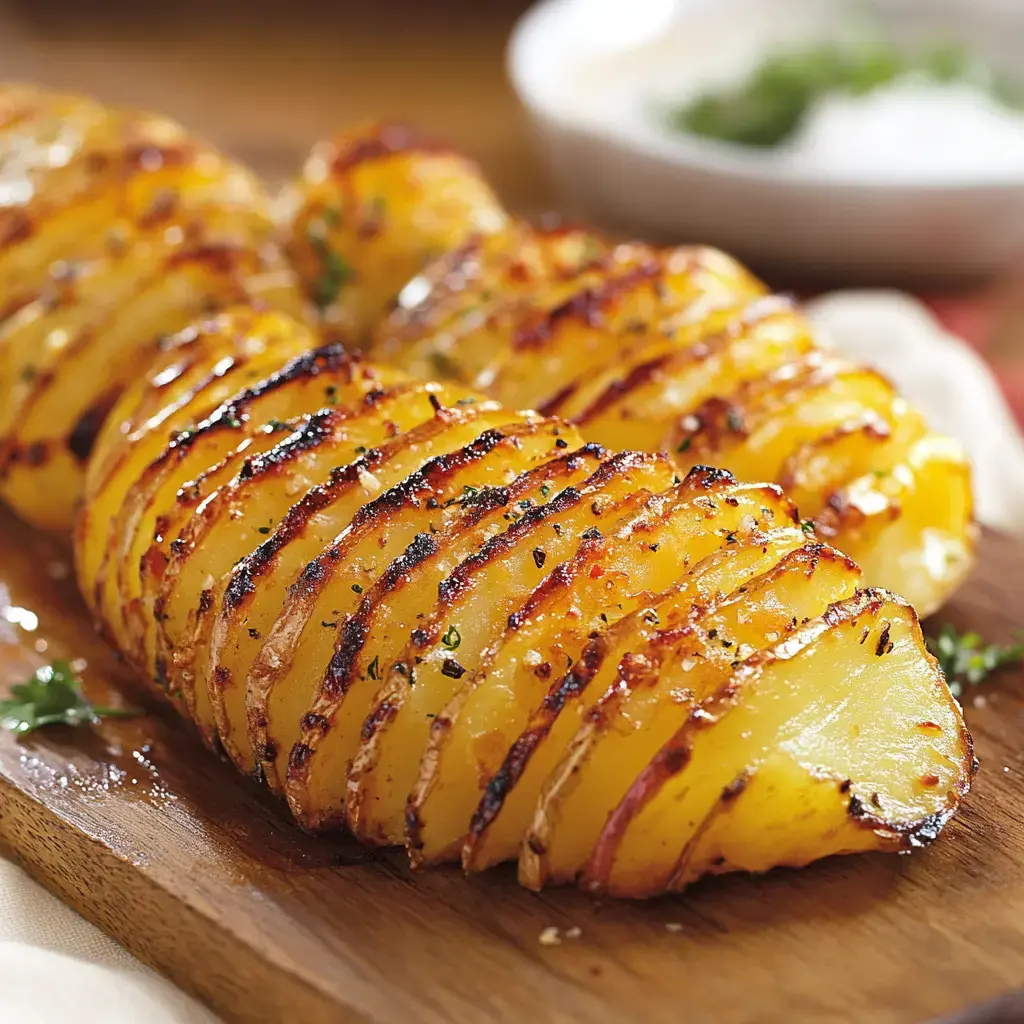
967 659
452 638
335 273
52 696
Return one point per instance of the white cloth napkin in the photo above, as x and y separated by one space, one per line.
56 968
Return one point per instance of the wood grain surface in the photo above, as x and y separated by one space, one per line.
197 872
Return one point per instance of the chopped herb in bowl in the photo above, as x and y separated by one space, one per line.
769 107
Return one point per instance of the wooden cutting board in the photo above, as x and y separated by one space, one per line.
198 873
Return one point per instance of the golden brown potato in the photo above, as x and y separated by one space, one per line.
117 229
683 351
373 206
434 621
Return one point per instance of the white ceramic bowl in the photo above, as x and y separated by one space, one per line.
581 67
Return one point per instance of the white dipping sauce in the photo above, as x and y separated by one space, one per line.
913 131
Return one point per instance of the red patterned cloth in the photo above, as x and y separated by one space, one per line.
993 324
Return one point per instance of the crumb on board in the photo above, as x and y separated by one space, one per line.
552 935
673 926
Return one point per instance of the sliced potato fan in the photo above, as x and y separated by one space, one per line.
429 618
682 350
440 623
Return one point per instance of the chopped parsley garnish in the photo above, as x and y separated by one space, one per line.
807 525
356 588
684 445
335 272
53 696
264 530
966 659
374 668
772 104
545 490
452 638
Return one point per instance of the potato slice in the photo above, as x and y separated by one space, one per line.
473 605
373 206
645 394
605 580
867 444
252 595
866 780
753 431
379 533
452 320
333 465
158 512
913 526
322 625
566 336
654 677
348 705
225 356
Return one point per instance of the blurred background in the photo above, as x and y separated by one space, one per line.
265 79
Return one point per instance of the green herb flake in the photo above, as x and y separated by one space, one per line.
684 445
374 668
807 525
452 638
771 105
53 696
336 272
356 588
966 659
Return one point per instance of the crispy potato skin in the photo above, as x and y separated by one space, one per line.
437 622
117 229
372 207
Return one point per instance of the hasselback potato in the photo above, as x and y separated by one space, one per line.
684 351
430 619
439 622
372 207
117 229
680 350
